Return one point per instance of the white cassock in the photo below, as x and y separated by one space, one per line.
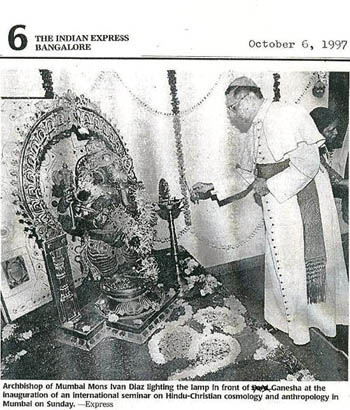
286 132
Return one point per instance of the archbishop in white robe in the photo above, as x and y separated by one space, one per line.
287 132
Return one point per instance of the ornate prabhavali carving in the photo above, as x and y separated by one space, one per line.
66 114
54 122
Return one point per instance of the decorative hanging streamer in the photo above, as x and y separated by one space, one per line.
315 76
151 109
230 247
214 245
175 103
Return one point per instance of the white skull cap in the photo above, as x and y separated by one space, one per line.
243 82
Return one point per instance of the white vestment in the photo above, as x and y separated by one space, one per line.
284 132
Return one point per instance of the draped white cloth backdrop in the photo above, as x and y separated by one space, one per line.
138 100
136 97
210 149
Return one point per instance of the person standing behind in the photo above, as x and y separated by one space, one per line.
306 283
327 122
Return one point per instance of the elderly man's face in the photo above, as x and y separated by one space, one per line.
240 110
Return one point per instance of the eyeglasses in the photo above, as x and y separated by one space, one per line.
233 106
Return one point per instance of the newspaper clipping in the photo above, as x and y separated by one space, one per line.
174 205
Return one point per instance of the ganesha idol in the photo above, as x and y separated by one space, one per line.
109 211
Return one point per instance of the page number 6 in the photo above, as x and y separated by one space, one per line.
21 42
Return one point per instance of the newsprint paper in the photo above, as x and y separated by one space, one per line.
174 204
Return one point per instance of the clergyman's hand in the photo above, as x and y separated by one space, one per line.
201 190
260 186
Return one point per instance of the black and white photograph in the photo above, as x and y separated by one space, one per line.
15 271
184 224
174 204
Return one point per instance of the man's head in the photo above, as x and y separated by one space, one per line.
243 100
327 122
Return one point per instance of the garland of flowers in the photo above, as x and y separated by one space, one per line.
187 315
195 278
229 247
207 351
223 318
313 79
153 110
269 345
209 339
306 89
302 375
172 342
213 245
276 87
47 83
179 148
211 353
235 305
